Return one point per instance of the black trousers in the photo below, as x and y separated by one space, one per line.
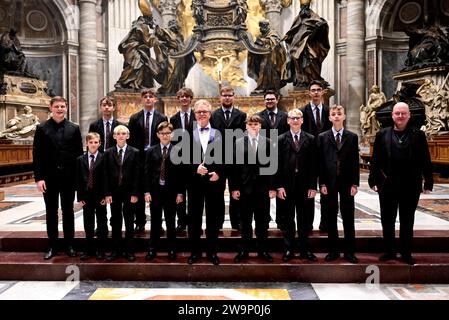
140 217
234 205
257 205
311 213
181 212
402 196
122 209
347 208
91 210
66 191
163 200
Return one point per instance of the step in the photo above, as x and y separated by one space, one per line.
430 268
366 241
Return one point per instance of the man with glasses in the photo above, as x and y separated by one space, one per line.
399 164
142 127
296 182
316 121
228 117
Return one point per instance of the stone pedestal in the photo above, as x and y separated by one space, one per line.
437 74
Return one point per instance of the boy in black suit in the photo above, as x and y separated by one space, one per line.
253 188
339 175
163 190
90 171
121 188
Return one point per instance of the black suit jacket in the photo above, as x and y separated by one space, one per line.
98 127
177 120
281 122
131 172
136 127
153 160
380 166
246 177
52 160
307 162
347 155
236 121
82 175
309 124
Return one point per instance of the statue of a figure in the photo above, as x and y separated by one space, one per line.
197 8
12 58
308 45
177 69
241 11
427 47
268 70
21 126
369 123
140 69
436 104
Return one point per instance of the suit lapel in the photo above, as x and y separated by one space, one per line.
232 116
344 137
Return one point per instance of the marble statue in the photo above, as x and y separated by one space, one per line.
436 104
21 126
368 121
12 58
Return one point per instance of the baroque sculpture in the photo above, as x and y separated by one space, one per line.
368 122
21 126
12 58
308 44
436 104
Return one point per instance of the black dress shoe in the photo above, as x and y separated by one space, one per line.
193 258
180 228
114 255
388 256
323 228
351 258
50 254
235 227
331 256
287 256
100 255
151 255
139 229
130 256
85 256
407 258
71 252
241 256
172 255
214 259
265 256
308 255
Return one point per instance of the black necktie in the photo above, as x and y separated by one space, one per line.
90 179
227 115
318 119
338 140
163 167
186 121
107 134
272 118
296 142
147 128
120 171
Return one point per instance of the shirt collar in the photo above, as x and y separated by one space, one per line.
320 106
162 146
275 111
297 133
124 148
224 109
106 120
335 131
94 154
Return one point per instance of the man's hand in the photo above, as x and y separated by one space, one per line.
323 189
108 199
179 198
236 195
134 199
375 189
311 193
354 191
281 193
41 186
148 197
213 176
272 194
82 203
202 170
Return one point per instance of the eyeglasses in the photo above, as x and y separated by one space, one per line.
316 90
164 133
270 99
227 95
401 114
295 118
202 112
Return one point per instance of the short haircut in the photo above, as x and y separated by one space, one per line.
164 124
121 128
271 92
202 102
109 101
337 108
57 99
185 92
316 82
92 135
295 111
227 90
254 118
145 91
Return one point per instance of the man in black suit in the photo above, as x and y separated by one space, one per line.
225 118
274 119
399 163
163 190
253 188
316 121
203 174
142 129
57 144
296 182
183 120
106 124
90 194
121 189
338 153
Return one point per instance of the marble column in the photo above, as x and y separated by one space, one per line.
356 70
273 13
88 82
168 10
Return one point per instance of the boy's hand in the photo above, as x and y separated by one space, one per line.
134 199
179 198
148 197
82 203
41 187
108 199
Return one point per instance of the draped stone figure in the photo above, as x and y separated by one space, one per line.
436 104
370 125
177 69
21 126
140 68
12 58
269 70
308 44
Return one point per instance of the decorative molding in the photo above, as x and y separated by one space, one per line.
37 20
169 6
272 5
410 12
